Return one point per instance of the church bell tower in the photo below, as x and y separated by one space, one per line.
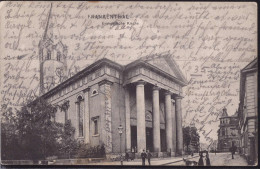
52 57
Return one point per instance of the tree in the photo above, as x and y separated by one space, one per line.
68 143
186 137
191 137
37 131
9 141
195 138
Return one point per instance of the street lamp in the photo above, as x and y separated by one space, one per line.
120 131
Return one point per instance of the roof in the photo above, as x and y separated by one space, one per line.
83 72
250 66
173 71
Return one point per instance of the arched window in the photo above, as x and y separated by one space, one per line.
94 92
58 56
223 132
80 115
48 55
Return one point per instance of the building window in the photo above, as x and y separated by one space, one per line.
85 80
66 115
97 73
89 77
80 115
95 125
223 132
81 82
58 56
48 55
78 83
94 92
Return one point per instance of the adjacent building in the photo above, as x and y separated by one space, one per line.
143 97
247 112
228 133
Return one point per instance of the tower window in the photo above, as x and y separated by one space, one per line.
58 56
223 132
48 55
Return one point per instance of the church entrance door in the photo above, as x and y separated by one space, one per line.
149 139
133 139
163 141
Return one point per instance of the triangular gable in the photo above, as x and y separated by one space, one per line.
167 64
161 64
174 66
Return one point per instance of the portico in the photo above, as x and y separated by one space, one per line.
157 110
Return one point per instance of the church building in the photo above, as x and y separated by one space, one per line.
142 98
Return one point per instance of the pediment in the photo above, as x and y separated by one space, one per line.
161 64
168 65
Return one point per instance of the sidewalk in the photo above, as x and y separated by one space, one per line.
154 161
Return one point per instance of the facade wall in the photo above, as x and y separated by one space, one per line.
96 111
98 95
250 94
249 115
118 117
228 134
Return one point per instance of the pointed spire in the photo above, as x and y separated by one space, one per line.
46 31
224 114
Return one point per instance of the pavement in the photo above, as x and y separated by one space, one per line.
154 161
219 159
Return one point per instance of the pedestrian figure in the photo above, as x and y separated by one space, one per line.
232 149
149 155
126 156
207 159
191 153
143 156
201 163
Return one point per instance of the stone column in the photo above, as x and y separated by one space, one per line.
179 125
156 121
127 120
86 115
168 120
173 128
140 108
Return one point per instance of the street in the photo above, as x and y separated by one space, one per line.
220 159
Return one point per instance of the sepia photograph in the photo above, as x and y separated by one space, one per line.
154 83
